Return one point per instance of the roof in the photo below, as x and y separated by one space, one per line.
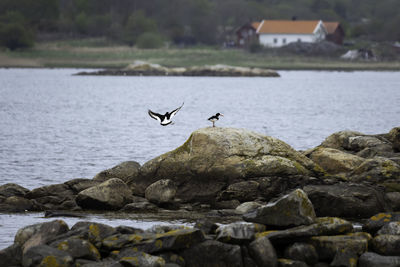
331 26
255 24
288 26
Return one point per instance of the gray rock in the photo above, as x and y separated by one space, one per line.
112 194
370 259
140 207
10 189
95 233
213 253
345 257
340 140
172 258
44 255
291 263
263 252
394 137
238 233
118 241
388 245
292 209
11 256
60 191
394 200
376 170
359 143
346 200
376 222
17 204
124 171
213 158
80 184
242 191
162 191
247 207
301 252
391 228
139 259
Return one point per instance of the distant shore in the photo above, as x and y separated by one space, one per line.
83 54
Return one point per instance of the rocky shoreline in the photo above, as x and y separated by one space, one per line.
141 68
255 201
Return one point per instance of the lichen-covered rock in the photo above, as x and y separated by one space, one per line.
247 207
95 233
238 233
44 255
376 222
340 140
162 191
78 248
80 184
301 252
370 259
124 171
17 204
242 191
143 206
292 209
327 246
394 137
11 256
388 245
335 161
282 262
263 253
213 253
112 194
346 200
139 259
376 170
213 158
346 257
118 241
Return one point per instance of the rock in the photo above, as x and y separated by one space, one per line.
388 245
376 170
172 240
112 194
394 200
394 137
238 233
335 161
301 252
340 140
213 158
242 191
11 256
346 257
327 246
39 234
247 207
172 258
291 263
263 253
392 228
292 209
139 259
162 191
213 253
95 233
140 207
207 226
17 204
51 196
10 189
124 171
78 248
44 255
322 226
346 200
80 184
370 259
376 222
118 241
359 143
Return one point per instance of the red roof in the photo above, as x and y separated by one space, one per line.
331 26
288 26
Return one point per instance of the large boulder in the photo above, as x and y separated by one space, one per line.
370 259
10 189
162 191
112 194
394 137
213 158
124 171
292 209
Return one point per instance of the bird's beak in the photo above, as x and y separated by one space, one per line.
221 114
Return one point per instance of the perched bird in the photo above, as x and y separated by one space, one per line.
166 118
214 118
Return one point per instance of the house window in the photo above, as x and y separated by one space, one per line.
284 41
275 40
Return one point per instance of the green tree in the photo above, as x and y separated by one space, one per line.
13 31
149 40
136 25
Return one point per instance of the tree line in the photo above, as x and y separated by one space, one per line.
149 23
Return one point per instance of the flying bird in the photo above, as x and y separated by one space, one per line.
214 118
166 118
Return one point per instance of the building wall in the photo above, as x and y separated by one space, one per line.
277 40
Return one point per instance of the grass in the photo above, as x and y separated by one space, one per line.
100 53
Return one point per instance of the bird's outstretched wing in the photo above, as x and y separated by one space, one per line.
154 115
173 113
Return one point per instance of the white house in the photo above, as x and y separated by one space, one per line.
276 33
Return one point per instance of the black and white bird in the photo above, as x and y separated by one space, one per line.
166 118
214 118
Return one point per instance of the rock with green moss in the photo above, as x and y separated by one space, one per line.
46 256
376 222
138 259
162 191
213 158
238 233
112 194
377 170
94 232
263 253
388 245
394 137
290 210
78 248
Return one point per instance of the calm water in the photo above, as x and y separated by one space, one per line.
55 127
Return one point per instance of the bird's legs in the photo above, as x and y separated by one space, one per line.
213 123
